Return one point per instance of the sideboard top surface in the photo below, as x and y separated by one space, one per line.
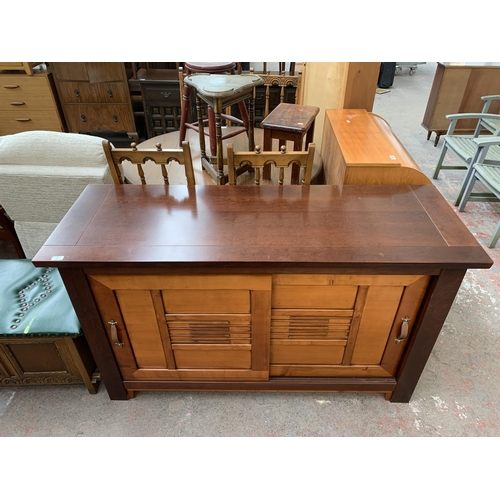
307 226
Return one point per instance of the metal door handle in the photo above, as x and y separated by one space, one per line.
114 333
404 330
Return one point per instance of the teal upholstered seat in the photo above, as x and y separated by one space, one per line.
34 301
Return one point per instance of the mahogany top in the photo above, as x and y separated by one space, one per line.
290 117
261 227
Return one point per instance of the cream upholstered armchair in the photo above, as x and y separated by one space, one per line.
42 174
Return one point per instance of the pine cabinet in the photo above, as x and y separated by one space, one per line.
237 327
28 102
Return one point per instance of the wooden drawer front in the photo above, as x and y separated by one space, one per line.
81 92
99 117
161 95
27 102
13 122
20 85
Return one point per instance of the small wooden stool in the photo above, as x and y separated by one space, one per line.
289 122
219 92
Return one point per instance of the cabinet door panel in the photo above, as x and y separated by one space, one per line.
167 336
100 72
140 322
376 323
355 328
70 71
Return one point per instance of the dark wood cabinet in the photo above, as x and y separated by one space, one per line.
162 106
458 88
94 96
41 360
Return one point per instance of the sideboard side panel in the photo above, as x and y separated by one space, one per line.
437 304
86 309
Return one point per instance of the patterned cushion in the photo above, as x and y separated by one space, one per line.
34 301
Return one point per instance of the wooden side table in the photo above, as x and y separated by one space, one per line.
219 92
289 122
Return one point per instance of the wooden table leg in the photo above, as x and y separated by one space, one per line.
201 132
268 140
297 146
218 132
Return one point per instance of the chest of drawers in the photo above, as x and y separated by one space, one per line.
94 96
28 102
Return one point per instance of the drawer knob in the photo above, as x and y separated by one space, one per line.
110 93
165 94
404 330
84 118
11 86
77 93
17 103
114 333
115 118
23 119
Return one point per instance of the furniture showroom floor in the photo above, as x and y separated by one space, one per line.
457 395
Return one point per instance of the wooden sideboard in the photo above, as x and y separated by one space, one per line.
28 101
248 288
359 147
458 88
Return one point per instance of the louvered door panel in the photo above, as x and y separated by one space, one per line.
187 327
352 330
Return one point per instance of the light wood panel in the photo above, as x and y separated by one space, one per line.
360 148
337 85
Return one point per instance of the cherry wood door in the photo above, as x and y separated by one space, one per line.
342 325
187 327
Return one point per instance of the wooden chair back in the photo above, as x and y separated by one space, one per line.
282 79
138 157
281 160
